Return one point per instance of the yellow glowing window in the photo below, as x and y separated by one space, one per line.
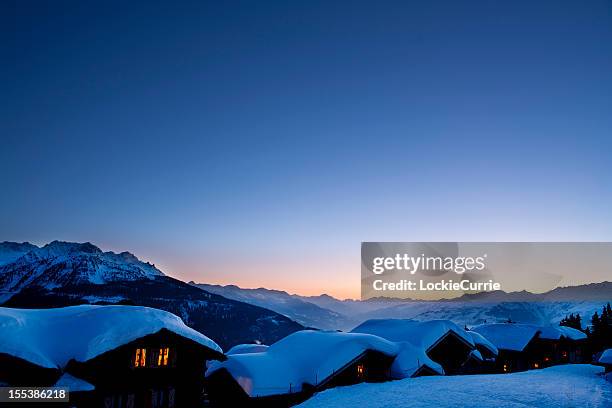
162 357
506 368
140 359
360 370
536 365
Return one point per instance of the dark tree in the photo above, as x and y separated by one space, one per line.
572 321
600 334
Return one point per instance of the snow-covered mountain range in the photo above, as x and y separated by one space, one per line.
326 312
61 263
63 273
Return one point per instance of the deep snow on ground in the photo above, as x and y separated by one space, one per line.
579 385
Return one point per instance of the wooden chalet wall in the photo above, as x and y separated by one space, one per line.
119 384
541 353
451 352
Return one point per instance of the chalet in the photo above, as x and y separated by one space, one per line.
572 345
108 356
525 346
292 369
440 346
605 360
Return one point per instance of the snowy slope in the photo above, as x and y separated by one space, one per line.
542 313
61 263
564 386
40 335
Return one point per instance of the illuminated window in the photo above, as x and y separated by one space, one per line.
536 365
140 358
360 370
162 357
506 368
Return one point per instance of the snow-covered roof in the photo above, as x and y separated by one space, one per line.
74 384
410 359
415 339
52 337
516 336
423 335
508 336
606 357
306 356
480 340
247 349
571 333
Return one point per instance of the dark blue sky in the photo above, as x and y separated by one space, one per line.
259 143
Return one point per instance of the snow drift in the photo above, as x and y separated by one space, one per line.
574 385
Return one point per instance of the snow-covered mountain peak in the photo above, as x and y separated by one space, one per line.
62 263
16 246
128 257
10 251
61 248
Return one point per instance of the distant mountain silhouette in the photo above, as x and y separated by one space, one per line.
592 291
327 312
